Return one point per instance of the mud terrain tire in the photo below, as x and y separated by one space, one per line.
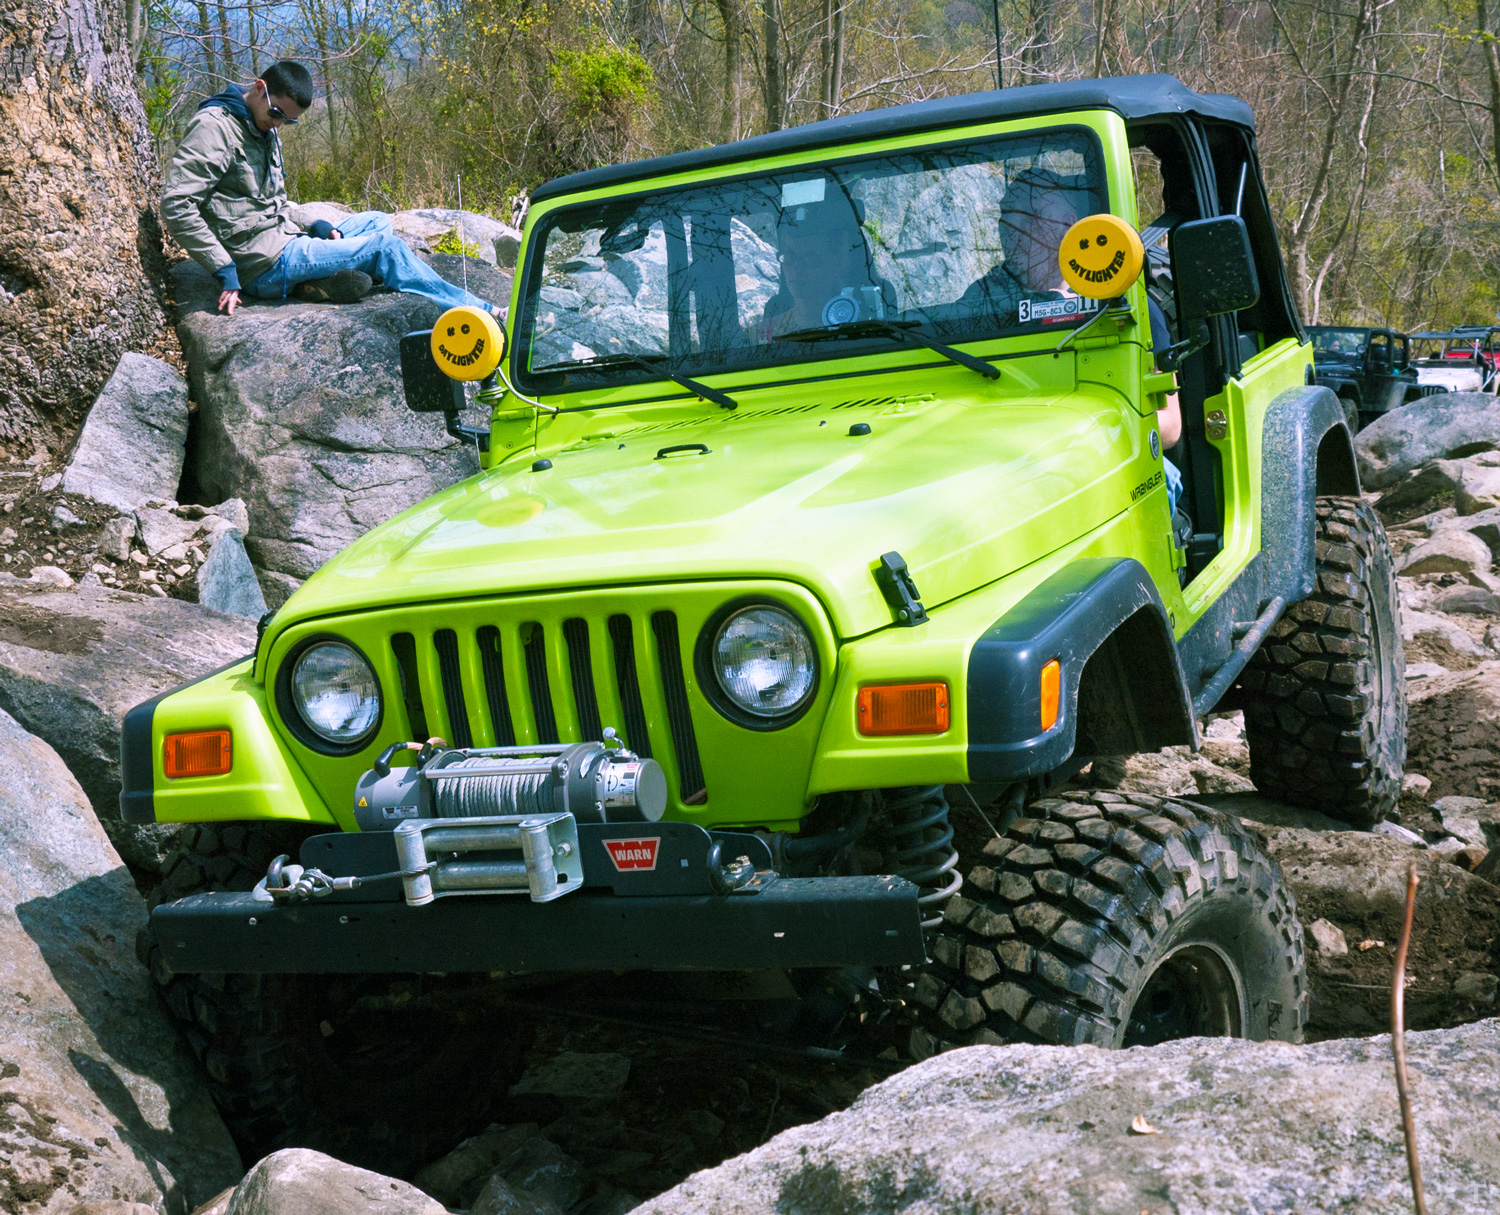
300 1060
1116 921
1325 695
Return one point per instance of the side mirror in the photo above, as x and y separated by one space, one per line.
1214 271
1213 268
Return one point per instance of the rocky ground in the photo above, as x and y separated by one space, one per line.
143 556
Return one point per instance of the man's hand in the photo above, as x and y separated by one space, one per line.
335 235
229 301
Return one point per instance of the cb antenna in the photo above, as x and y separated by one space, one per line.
463 253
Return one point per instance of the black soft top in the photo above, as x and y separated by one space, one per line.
1132 97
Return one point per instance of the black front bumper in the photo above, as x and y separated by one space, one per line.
790 922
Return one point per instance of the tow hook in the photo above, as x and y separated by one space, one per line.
286 883
727 877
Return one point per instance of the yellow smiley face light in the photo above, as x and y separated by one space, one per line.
467 343
1101 256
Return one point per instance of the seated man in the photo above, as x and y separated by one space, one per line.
225 203
1033 219
827 275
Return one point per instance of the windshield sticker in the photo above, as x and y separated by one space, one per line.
1054 310
800 193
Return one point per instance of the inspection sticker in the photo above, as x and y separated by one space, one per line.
1050 310
633 854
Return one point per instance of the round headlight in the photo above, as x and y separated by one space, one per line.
764 661
335 692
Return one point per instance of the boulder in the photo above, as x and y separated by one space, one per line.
432 223
1478 485
479 278
1447 426
301 415
309 213
579 1076
1453 731
1430 637
131 445
1467 600
227 582
457 1177
299 1181
72 663
1239 1126
1423 489
1449 551
100 1104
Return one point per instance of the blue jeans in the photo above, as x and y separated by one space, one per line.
1174 484
370 244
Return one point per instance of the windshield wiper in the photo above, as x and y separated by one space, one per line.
873 328
722 399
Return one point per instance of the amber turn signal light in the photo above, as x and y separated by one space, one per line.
903 708
1051 693
205 753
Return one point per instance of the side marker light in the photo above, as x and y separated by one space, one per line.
203 753
903 708
1051 693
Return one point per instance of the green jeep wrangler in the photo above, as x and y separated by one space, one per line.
822 487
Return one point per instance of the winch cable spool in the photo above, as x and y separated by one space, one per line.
595 782
498 793
924 853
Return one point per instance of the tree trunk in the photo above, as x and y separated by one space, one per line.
226 48
1492 70
206 45
731 13
775 118
80 249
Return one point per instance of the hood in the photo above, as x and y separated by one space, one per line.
966 491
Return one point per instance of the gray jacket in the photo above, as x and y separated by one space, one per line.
225 199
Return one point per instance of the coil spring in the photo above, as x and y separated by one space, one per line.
484 796
924 853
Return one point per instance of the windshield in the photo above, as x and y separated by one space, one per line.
958 242
1339 341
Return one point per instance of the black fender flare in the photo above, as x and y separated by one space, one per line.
1100 615
1306 450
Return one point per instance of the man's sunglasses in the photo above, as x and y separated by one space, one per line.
279 115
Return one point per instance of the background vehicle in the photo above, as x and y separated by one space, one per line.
1462 359
1369 369
824 467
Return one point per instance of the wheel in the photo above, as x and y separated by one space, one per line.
384 1071
1325 695
1117 921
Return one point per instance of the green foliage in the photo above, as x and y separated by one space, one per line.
451 242
602 82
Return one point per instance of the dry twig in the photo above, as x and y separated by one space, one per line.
1398 1043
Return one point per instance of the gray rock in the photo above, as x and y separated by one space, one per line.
309 213
457 1177
542 1171
113 1206
586 1077
1424 670
1467 600
1478 486
1473 985
277 587
1422 489
299 1181
227 582
51 577
302 417
1447 426
498 1198
1431 637
64 520
131 445
1400 834
507 249
73 663
1450 551
1327 938
101 1104
1045 1130
161 529
431 223
116 535
481 279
